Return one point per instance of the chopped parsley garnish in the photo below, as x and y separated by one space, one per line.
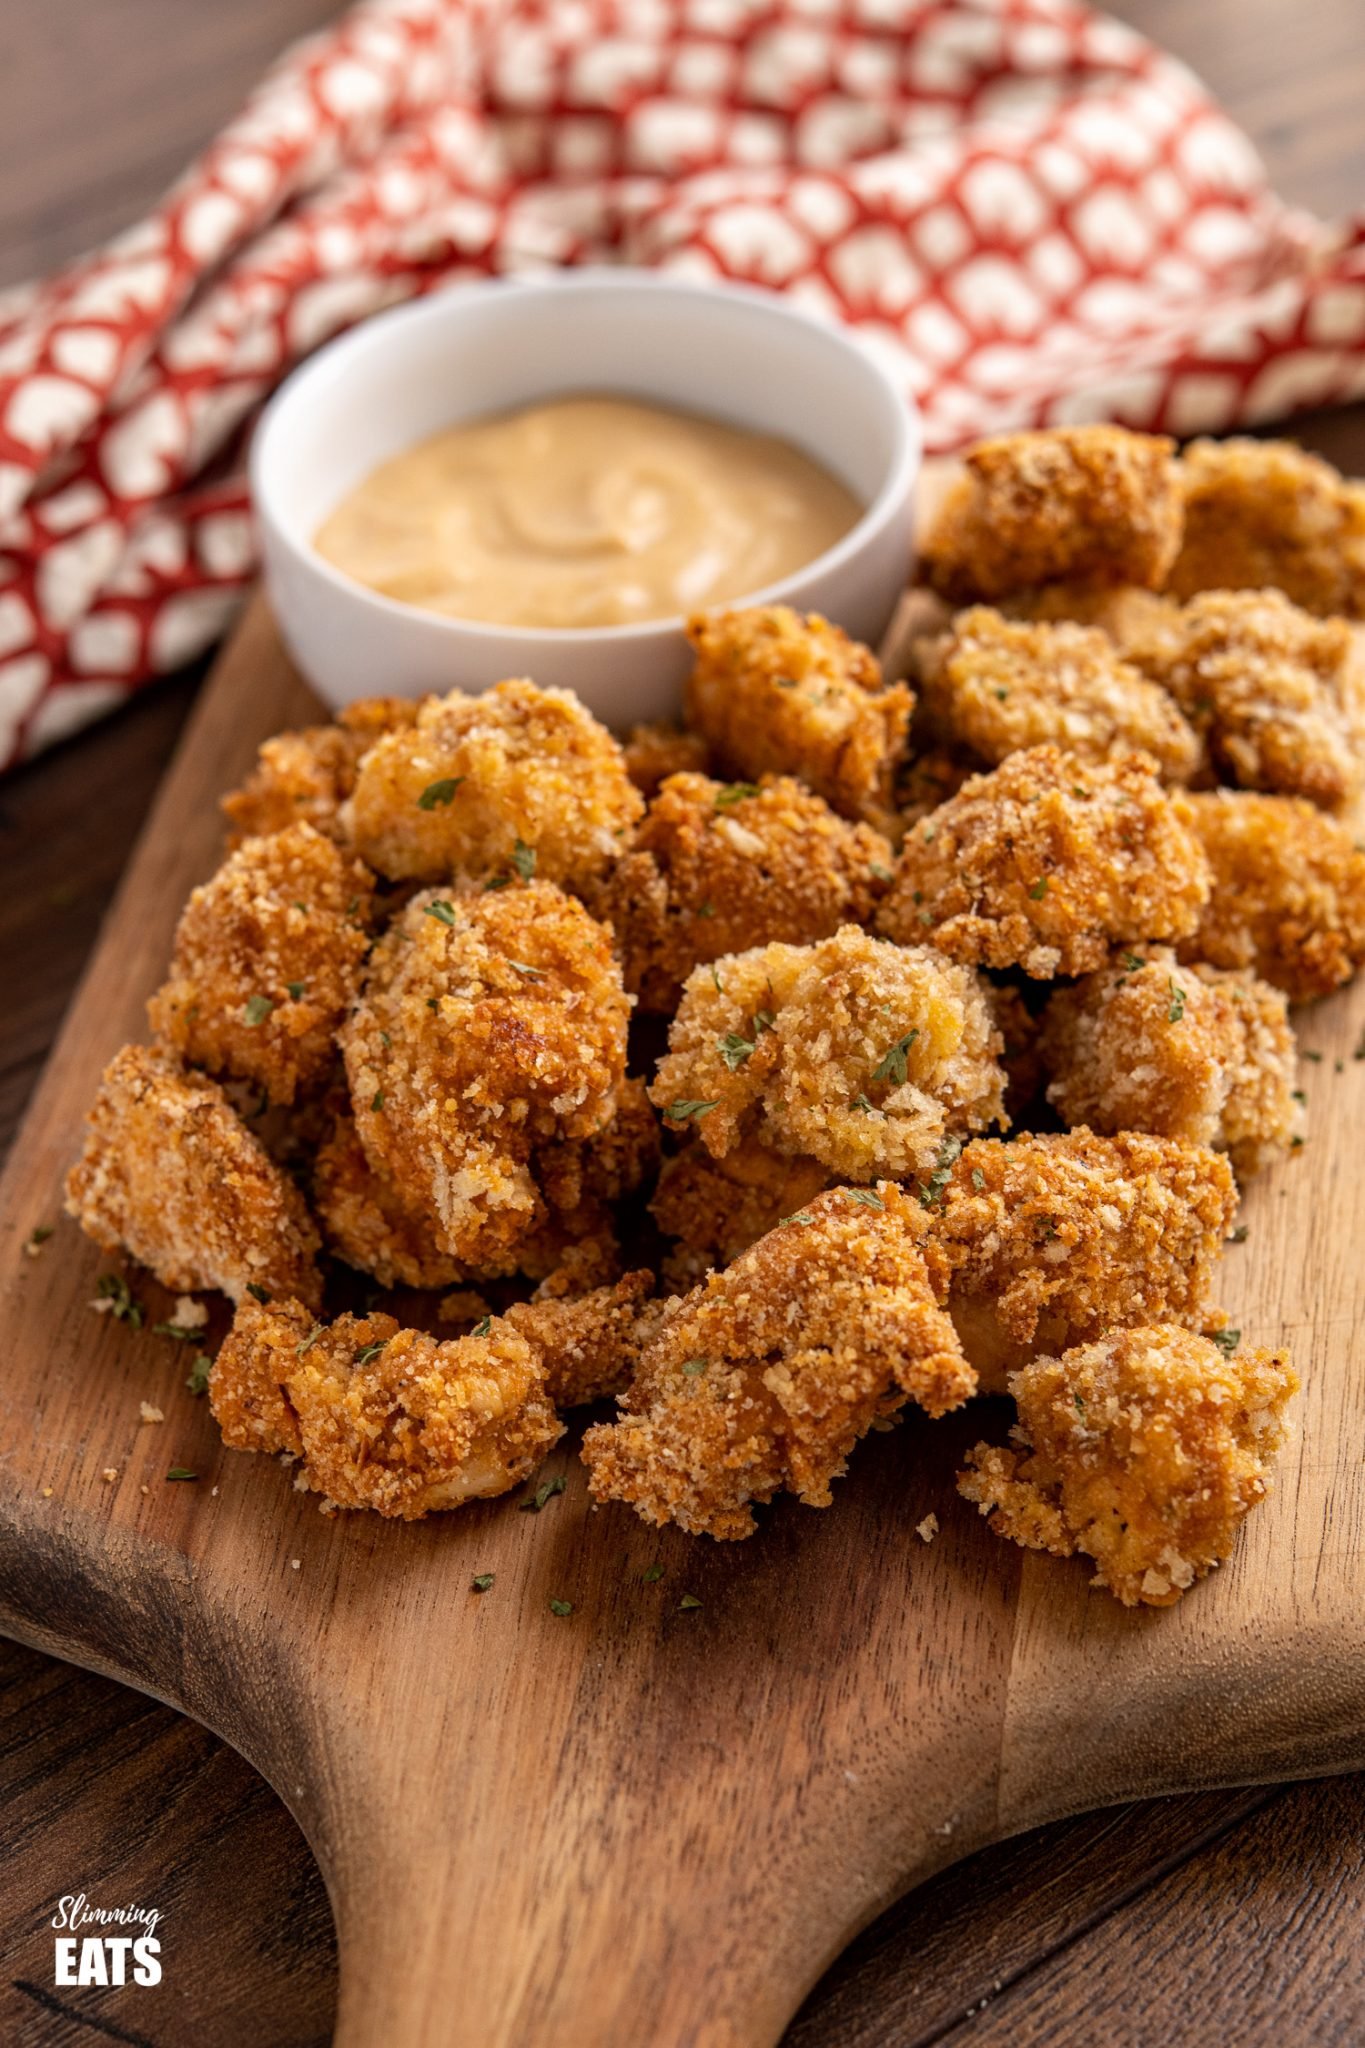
1002 695
1359 1053
715 976
1239 1235
295 989
377 1102
1177 1009
177 1331
1080 1405
931 1192
1133 963
800 1216
734 1049
734 793
1039 889
978 1179
439 792
785 682
256 1009
482 1329
694 1367
891 1066
198 1381
681 1111
434 1005
881 873
524 859
124 1305
861 1102
706 910
530 973
443 912
563 1608
257 1293
867 1198
534 1502
181 1472
764 1020
1315 1057
651 1573
687 1603
39 1235
306 1344
1227 1340
370 1353
481 1581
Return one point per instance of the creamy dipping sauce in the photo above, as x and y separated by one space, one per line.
585 512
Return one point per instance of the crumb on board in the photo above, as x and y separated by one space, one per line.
927 1529
109 1474
147 1413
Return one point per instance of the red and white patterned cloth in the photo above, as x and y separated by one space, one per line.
1028 210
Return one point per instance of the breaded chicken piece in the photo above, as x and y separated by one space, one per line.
1275 692
517 781
1051 1241
995 685
1192 1052
762 1379
857 1053
716 1208
926 781
719 867
305 777
488 1023
588 1344
1144 1452
1067 502
170 1173
654 752
367 1222
615 1161
1288 895
267 960
775 693
382 1417
1125 613
1048 861
1265 513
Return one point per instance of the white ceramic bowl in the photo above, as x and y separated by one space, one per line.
742 356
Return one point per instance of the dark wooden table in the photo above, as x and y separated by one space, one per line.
1230 1916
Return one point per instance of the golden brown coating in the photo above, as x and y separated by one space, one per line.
1264 513
776 693
1192 1052
654 752
1051 1241
367 1222
588 1344
382 1417
517 781
1276 693
1068 502
305 777
996 685
718 867
488 1024
267 958
855 1052
170 1173
762 1379
1124 612
1288 895
1144 1452
1048 861
716 1208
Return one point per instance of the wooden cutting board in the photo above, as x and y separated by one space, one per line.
643 1826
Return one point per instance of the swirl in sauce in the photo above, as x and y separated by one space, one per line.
585 512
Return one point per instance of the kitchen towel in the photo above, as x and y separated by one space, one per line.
1030 212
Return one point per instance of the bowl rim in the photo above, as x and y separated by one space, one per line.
333 357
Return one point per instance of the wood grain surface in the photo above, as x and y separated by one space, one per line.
1237 1914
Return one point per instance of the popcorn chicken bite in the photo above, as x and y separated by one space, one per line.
1144 1452
170 1174
856 1053
517 781
714 1209
1093 502
1191 1052
1050 1241
488 1024
1276 693
654 752
1288 894
267 957
1259 514
763 1379
383 1417
304 777
995 686
588 1344
715 868
775 693
1046 862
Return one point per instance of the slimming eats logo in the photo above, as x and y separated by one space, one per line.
115 1958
